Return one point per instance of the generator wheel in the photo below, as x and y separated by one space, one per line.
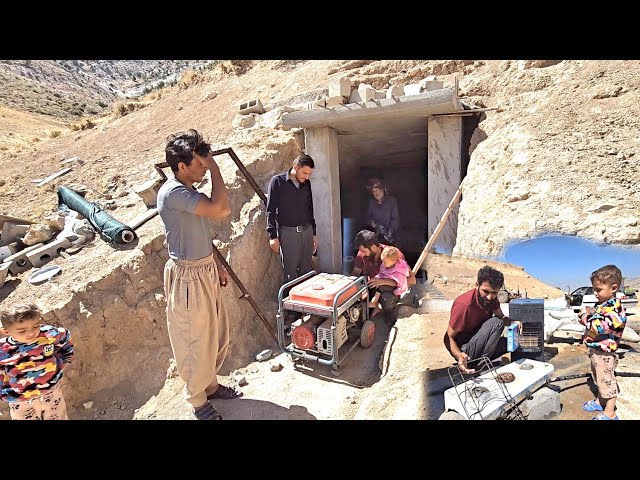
367 334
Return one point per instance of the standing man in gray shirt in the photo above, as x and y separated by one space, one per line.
196 316
290 221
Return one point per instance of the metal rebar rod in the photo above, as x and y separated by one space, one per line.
245 293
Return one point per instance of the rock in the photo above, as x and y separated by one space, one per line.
451 415
240 379
264 355
172 371
276 367
630 335
38 233
55 220
88 405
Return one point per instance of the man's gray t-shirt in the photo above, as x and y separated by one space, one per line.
188 235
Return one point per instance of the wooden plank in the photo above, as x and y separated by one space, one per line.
464 112
8 218
148 215
436 232
55 175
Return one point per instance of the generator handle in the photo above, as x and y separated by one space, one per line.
291 284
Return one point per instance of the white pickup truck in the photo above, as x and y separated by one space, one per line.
584 297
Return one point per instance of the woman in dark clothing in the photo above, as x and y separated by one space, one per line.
382 214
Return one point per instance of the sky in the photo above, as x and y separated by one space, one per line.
561 260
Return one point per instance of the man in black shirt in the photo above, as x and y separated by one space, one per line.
290 221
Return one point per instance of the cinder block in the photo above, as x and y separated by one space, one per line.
430 85
12 232
19 261
8 250
335 101
412 89
4 269
252 106
355 97
340 87
380 94
48 252
367 92
395 91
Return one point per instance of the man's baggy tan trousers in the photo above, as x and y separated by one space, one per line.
197 323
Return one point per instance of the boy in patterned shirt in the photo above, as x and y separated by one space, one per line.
604 326
32 356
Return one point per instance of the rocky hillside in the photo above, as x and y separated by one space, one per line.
560 156
70 89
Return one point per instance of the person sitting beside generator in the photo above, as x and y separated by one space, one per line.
393 268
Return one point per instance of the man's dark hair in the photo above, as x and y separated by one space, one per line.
181 146
493 277
366 239
304 161
609 274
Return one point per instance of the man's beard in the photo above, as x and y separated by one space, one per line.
483 300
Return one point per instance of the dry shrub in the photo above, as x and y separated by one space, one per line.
189 77
55 133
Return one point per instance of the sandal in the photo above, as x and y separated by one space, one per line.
602 416
592 406
225 392
207 412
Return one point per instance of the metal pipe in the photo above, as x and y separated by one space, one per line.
245 293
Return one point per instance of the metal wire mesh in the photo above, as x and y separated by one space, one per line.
479 396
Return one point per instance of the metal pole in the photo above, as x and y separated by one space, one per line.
245 294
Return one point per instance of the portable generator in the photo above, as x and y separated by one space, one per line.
331 317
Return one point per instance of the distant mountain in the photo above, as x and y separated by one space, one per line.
70 89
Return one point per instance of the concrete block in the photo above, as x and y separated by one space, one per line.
412 89
12 232
45 253
367 92
544 404
8 250
4 269
19 261
148 192
430 85
340 87
252 106
335 101
395 91
380 94
355 97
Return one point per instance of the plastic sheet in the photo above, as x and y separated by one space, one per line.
111 229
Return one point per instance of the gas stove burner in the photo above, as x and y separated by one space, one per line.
476 392
526 366
506 377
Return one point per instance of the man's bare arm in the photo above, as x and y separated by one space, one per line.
217 206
